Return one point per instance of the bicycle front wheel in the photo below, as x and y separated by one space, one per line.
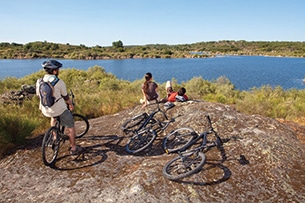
140 141
178 140
133 123
50 146
81 125
184 165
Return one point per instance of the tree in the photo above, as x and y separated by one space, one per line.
118 44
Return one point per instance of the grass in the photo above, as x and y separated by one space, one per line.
14 130
99 93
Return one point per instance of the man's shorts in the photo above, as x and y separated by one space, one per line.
66 119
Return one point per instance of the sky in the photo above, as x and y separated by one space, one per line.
142 22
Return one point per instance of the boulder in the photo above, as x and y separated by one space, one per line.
261 160
18 96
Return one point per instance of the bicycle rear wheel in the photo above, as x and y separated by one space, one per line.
50 146
178 140
140 141
81 125
184 165
133 123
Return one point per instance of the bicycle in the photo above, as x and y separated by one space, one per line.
190 161
56 135
144 128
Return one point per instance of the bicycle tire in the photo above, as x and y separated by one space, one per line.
81 125
184 165
178 140
50 147
134 123
140 141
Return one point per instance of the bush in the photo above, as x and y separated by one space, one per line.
14 130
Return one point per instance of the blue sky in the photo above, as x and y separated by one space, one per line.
140 22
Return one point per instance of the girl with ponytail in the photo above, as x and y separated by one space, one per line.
149 90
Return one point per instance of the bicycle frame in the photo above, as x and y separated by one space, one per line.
204 136
61 130
151 115
203 145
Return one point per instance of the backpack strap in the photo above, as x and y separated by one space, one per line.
55 81
52 84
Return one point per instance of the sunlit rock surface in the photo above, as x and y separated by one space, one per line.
262 160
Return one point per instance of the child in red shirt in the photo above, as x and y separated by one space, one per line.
177 96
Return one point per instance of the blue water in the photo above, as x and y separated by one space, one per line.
245 72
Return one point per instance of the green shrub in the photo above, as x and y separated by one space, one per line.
14 130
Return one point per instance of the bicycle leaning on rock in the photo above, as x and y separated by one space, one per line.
56 136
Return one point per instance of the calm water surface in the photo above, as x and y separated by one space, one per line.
245 72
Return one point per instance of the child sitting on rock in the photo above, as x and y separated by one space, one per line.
173 96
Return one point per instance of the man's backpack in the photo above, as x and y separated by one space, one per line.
46 92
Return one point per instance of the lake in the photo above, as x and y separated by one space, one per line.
245 72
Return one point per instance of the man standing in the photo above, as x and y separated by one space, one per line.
62 99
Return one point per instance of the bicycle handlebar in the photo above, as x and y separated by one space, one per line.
210 127
209 119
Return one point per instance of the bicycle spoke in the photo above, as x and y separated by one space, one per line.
178 168
184 165
191 162
134 123
178 140
141 141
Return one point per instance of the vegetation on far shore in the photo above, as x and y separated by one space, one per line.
119 51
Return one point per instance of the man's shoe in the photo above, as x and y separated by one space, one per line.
77 151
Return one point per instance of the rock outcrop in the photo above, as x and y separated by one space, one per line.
262 160
18 96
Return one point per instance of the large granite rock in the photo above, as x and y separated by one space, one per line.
262 160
